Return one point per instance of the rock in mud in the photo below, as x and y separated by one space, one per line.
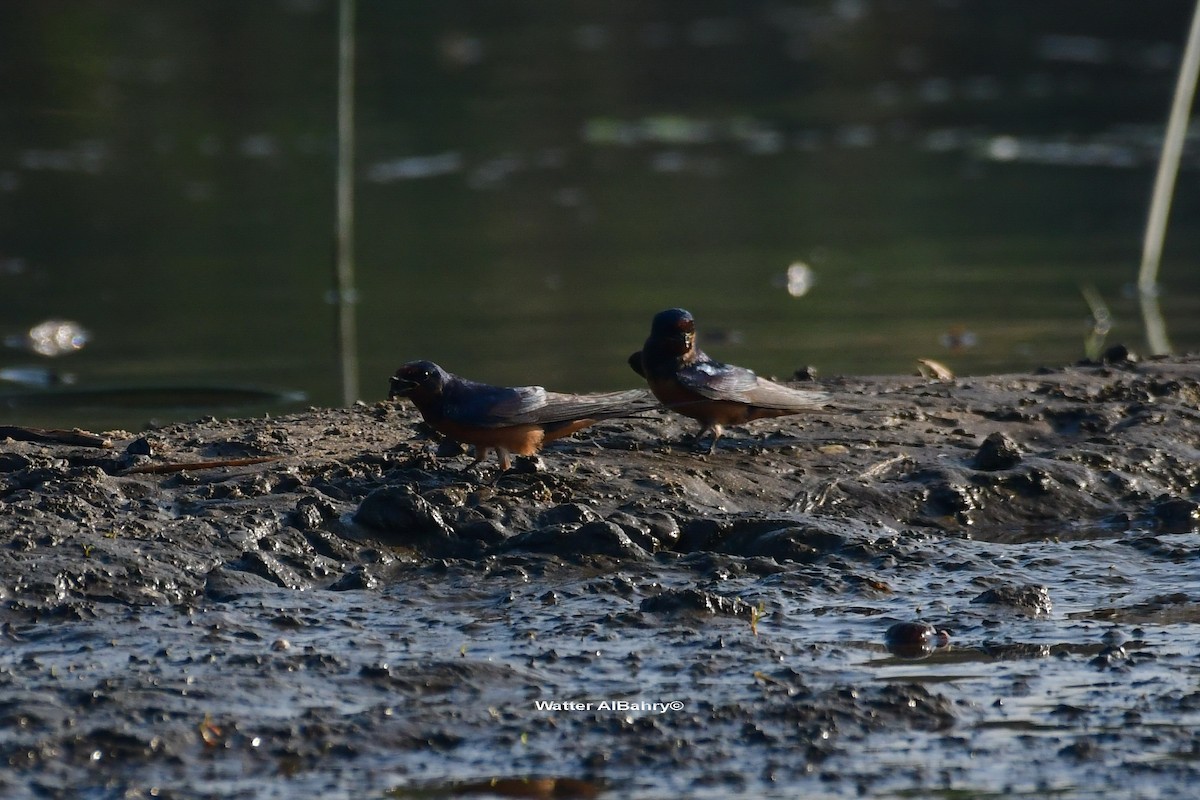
1027 599
567 514
804 538
997 452
1176 515
595 538
227 583
914 639
360 578
405 518
695 601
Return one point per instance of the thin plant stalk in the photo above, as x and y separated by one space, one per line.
345 292
1164 188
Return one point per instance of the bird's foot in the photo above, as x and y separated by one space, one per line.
521 465
527 465
697 443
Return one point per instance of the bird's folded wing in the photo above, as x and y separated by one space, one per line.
487 406
567 407
717 381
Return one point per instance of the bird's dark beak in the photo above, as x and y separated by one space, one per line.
400 387
683 340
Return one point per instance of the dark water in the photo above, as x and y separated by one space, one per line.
534 182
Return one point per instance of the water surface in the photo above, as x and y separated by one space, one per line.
534 184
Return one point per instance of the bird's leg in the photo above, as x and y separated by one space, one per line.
481 453
712 428
505 461
716 434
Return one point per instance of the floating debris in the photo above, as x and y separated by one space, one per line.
798 280
54 337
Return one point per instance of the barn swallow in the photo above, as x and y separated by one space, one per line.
505 419
687 381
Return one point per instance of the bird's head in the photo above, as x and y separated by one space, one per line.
673 330
417 377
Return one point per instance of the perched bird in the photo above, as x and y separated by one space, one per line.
505 419
687 381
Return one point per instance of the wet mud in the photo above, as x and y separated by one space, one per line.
980 586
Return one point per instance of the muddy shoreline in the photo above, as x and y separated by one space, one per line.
347 613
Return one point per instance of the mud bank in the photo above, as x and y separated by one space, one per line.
336 610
